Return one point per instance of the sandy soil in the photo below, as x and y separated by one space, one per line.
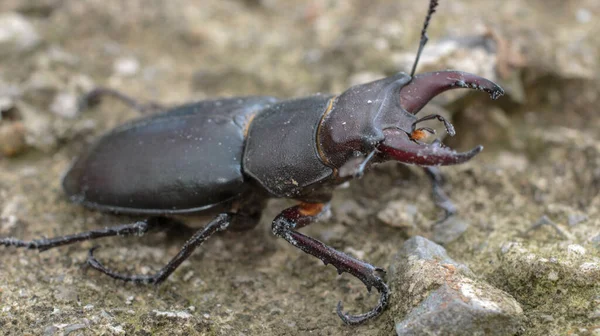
542 158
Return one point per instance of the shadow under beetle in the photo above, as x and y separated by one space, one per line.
234 154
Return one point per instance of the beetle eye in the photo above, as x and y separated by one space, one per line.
447 124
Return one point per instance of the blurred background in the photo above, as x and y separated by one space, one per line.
541 163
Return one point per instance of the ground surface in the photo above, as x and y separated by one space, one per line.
542 158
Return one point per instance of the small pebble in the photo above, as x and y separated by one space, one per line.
576 249
399 214
118 330
583 15
449 230
183 315
65 105
575 219
17 34
126 66
73 327
12 139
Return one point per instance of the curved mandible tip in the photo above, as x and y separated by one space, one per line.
423 87
398 146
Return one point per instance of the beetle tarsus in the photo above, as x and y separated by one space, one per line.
294 218
378 309
137 228
219 223
97 265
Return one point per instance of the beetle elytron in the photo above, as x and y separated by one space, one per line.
233 154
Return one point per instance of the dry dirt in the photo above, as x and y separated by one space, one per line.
542 158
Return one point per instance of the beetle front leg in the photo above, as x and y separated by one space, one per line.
304 214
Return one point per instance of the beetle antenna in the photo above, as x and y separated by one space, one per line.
424 38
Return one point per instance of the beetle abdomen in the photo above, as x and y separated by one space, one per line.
281 147
181 161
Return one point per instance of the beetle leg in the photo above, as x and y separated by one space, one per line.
449 127
94 97
137 228
247 213
440 198
219 223
356 167
304 214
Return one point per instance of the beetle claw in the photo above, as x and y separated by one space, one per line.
97 265
378 309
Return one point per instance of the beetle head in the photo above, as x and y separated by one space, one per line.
380 117
402 143
378 120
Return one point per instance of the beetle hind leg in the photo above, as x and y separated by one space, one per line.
137 228
304 214
219 223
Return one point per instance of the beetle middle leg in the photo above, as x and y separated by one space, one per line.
296 217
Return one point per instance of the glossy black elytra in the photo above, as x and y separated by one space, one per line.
233 154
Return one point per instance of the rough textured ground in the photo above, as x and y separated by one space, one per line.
542 158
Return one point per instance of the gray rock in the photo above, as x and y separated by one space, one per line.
472 310
436 295
419 248
65 104
576 218
568 271
74 327
50 330
7 103
449 230
400 214
16 34
126 66
38 128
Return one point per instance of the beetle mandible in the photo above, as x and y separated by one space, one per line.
233 154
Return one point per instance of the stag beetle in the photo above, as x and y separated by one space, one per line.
233 154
